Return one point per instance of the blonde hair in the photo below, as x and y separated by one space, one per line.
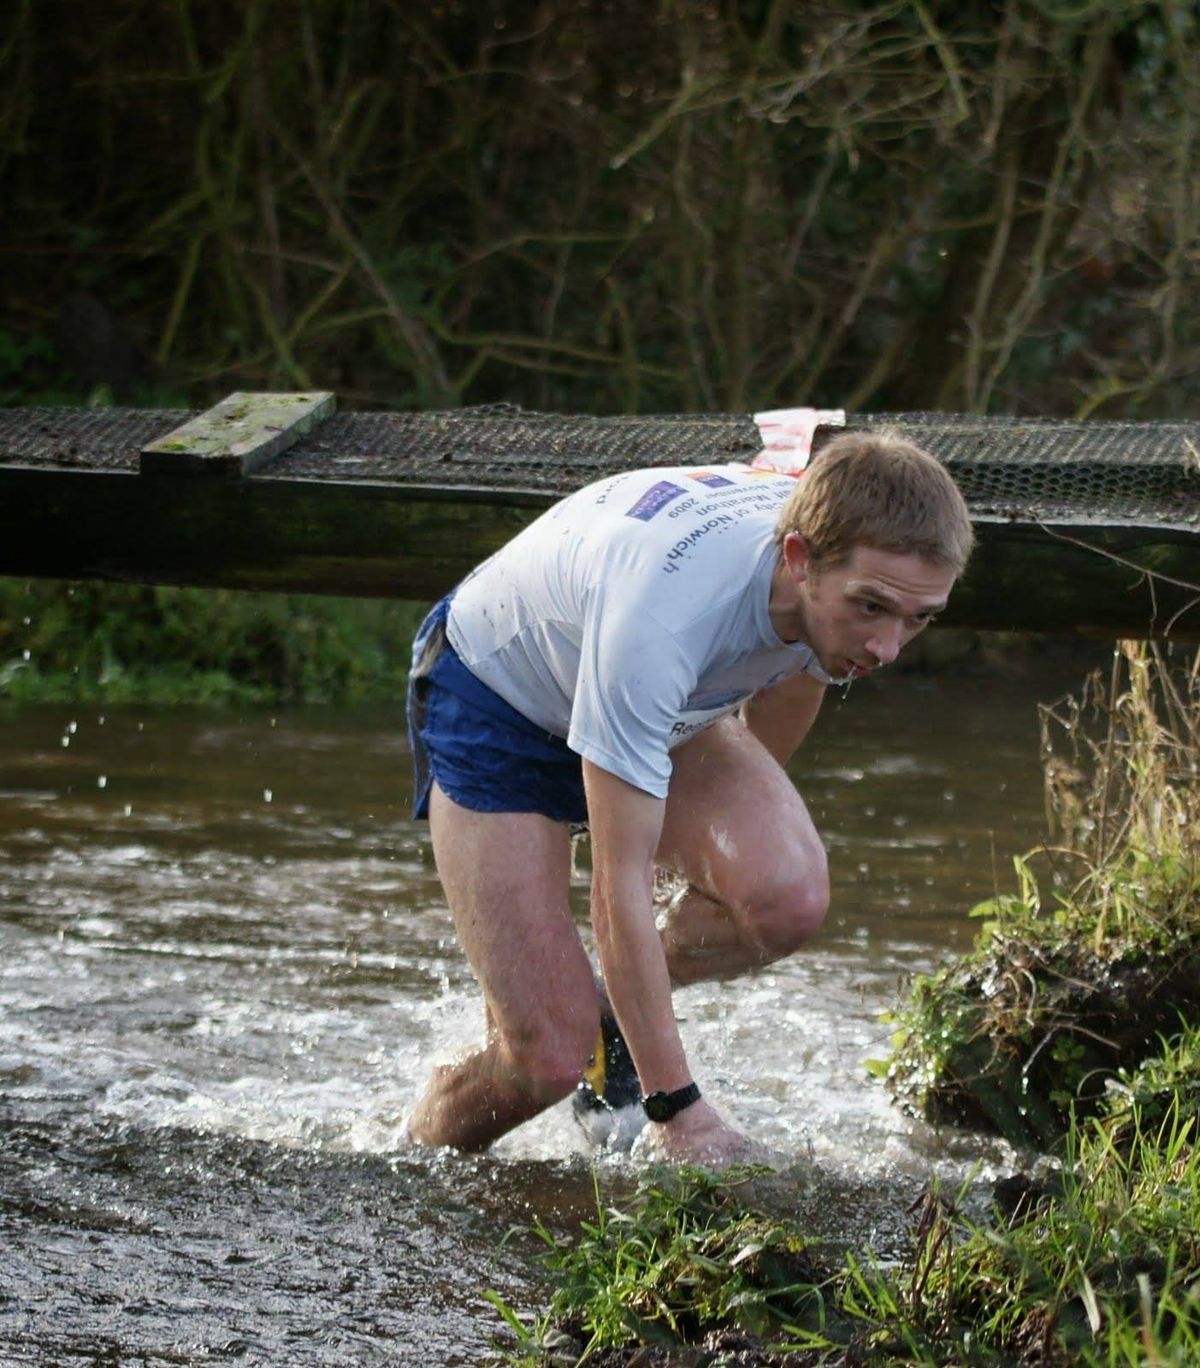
877 489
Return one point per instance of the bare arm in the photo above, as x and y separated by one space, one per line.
625 828
626 824
782 715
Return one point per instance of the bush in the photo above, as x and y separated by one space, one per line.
126 643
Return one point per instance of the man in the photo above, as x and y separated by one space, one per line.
645 657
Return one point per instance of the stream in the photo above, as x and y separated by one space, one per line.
226 965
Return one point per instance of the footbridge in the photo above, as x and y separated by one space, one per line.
1089 528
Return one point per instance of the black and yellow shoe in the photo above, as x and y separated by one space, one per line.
607 1105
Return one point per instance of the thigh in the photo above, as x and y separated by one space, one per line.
735 826
506 876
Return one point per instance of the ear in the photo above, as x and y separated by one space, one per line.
797 556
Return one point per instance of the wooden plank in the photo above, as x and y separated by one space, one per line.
389 541
363 541
236 436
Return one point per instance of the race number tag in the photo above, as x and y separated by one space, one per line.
787 436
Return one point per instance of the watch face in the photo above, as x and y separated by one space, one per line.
662 1106
658 1107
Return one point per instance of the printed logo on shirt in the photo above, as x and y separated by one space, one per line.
696 720
654 500
710 478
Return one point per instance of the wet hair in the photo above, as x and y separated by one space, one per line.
876 489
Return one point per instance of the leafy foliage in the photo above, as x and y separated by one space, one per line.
599 208
124 643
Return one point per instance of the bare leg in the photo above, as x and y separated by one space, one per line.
735 829
506 877
739 833
705 941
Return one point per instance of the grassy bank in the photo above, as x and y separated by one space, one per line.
1099 1264
1096 953
119 643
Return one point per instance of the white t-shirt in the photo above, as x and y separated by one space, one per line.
634 613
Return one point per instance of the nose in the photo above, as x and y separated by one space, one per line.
886 640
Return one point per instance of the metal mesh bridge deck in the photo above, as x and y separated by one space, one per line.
1009 469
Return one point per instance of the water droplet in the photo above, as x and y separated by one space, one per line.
128 809
66 742
24 655
267 795
102 782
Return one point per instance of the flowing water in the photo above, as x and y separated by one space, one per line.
225 967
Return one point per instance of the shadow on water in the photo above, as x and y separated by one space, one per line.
225 967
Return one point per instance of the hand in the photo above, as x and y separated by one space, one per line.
698 1135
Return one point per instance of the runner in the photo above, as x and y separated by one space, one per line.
644 658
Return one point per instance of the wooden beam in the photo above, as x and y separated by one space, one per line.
394 541
361 540
237 435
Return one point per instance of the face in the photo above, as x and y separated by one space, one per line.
861 614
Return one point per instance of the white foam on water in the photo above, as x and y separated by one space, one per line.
177 953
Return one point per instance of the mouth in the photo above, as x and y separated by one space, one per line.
854 670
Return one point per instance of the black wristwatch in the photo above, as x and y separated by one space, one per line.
662 1106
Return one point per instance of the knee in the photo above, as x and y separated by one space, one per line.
790 910
548 1054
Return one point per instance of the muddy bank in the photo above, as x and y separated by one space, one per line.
120 1244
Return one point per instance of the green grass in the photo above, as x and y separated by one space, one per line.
685 1258
1103 1266
118 643
1098 1265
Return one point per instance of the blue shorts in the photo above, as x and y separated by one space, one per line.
484 754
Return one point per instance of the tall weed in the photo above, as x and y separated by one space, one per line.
1097 951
